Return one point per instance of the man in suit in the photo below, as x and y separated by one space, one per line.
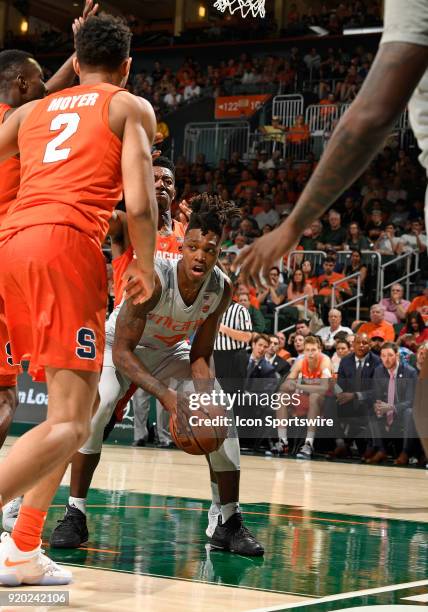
280 365
258 368
394 393
354 397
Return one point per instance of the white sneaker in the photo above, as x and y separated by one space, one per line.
33 567
213 514
10 513
305 452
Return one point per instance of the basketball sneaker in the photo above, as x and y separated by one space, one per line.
234 537
10 513
33 567
71 531
306 451
213 514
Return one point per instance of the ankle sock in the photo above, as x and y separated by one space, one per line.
78 502
28 528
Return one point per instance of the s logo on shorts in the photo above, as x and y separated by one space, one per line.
86 347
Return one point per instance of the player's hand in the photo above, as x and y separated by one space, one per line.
169 401
89 9
255 260
185 212
140 284
156 152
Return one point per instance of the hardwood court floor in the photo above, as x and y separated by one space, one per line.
328 529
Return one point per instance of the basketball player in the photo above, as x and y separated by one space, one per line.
148 346
21 81
52 278
398 74
310 375
169 243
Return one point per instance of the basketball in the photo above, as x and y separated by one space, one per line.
201 435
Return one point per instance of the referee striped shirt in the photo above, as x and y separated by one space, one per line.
236 317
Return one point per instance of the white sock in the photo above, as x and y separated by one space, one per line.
78 502
227 510
310 440
282 435
215 495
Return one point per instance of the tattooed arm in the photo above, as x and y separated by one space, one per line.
129 329
396 71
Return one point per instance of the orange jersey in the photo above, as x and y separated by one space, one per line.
10 171
308 374
167 247
384 330
70 164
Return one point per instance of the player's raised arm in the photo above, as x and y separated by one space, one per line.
65 75
139 190
203 343
130 325
396 71
9 131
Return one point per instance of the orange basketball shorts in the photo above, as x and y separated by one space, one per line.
53 283
8 372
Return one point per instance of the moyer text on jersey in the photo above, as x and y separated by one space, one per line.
66 102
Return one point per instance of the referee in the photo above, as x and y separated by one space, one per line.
230 356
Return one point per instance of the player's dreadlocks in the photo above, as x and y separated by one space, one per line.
211 213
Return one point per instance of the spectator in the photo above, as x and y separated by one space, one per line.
275 293
308 273
191 91
378 327
328 333
282 352
299 134
257 320
297 288
394 390
355 239
324 283
239 243
395 306
342 349
303 327
274 132
265 162
415 240
281 366
352 214
334 236
311 236
387 243
172 99
420 303
268 216
375 226
416 329
356 265
258 368
247 180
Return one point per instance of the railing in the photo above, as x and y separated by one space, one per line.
288 108
407 259
216 140
354 298
303 298
371 259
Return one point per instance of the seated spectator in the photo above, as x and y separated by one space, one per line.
281 366
415 240
299 133
396 192
375 226
324 282
378 327
275 293
257 319
191 91
415 330
310 375
258 368
269 215
333 236
303 327
239 242
342 349
247 180
243 288
356 265
394 390
274 132
308 273
282 352
352 214
297 343
395 306
265 162
387 243
311 236
172 99
328 333
355 238
420 303
297 288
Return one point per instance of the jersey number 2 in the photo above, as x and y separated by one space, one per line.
53 153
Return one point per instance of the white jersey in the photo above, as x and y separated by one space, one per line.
407 21
172 322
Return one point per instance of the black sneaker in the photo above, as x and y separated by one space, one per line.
234 537
71 531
